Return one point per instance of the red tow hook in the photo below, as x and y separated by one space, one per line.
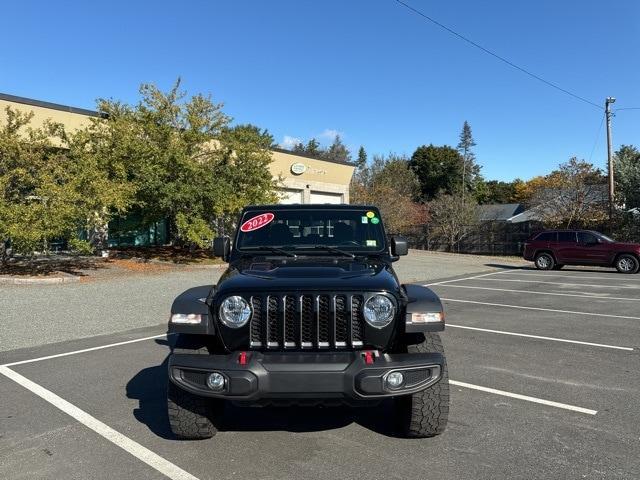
369 357
242 358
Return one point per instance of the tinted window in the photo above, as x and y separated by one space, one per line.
546 237
567 237
586 237
351 229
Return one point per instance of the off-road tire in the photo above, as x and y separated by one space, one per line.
627 263
425 414
192 417
545 261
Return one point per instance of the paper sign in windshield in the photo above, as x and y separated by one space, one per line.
257 222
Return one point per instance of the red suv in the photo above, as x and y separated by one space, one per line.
552 249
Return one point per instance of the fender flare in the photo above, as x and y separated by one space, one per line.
194 300
422 300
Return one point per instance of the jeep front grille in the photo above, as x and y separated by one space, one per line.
307 321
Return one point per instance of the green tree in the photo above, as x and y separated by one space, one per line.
495 191
187 164
337 151
627 176
51 186
439 169
469 167
313 148
361 162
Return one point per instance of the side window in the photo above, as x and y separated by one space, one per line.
567 237
586 237
546 237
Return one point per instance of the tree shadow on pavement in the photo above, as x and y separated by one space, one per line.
149 387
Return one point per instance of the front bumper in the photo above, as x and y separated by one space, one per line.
321 376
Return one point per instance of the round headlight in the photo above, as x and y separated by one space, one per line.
235 312
379 311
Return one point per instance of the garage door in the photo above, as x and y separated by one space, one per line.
323 197
290 196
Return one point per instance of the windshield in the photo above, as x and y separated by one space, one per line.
298 229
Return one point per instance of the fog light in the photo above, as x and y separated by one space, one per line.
216 381
395 380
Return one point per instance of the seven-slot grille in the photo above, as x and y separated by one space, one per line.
307 321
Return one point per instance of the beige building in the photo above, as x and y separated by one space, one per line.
304 179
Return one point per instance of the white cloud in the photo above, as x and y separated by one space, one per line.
289 142
329 134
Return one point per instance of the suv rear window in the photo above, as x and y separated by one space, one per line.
567 237
546 237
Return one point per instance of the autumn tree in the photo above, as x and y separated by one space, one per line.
451 219
573 195
390 184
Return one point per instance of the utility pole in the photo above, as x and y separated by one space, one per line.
607 112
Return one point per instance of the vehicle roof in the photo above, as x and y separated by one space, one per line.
310 206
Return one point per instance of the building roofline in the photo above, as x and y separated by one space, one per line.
313 157
92 113
49 105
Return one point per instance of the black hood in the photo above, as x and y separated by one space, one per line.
299 276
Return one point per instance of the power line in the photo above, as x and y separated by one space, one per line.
627 108
495 55
595 143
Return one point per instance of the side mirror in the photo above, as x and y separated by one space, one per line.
399 246
222 247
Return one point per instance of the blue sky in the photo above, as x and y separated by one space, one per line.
371 70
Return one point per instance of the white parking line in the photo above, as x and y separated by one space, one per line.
465 278
608 315
560 283
92 349
556 273
539 337
593 297
132 447
565 406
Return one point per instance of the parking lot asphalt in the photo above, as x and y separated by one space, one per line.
545 380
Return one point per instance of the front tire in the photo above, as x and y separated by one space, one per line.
192 417
425 414
545 261
627 263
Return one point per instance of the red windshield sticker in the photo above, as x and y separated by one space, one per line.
257 222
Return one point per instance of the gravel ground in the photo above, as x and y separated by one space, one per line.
119 300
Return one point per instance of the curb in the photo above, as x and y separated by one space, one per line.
60 278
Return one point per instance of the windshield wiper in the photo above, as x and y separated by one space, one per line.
334 250
270 249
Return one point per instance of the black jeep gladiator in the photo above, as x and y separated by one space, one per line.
308 312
